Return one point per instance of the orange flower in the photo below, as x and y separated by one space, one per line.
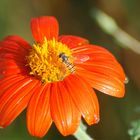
53 78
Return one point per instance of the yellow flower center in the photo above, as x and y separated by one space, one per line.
51 61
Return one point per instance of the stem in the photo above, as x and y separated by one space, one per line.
81 133
109 25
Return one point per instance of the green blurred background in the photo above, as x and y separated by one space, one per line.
74 18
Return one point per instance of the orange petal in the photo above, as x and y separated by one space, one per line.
72 41
16 103
14 71
109 68
91 53
38 112
10 56
12 90
64 113
10 49
84 98
91 50
44 27
6 82
15 44
11 63
108 84
8 65
102 70
19 41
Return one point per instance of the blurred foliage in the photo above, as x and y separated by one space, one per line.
74 18
134 132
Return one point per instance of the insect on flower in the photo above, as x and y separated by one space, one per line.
54 79
66 61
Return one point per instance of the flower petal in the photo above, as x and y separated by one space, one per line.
6 82
91 50
72 41
38 112
15 44
10 67
12 71
10 56
64 112
12 90
108 84
16 103
84 98
19 41
13 50
102 71
44 27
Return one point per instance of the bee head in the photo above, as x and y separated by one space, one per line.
63 57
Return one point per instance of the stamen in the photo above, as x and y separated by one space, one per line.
46 61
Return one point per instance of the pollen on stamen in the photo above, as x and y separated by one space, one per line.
45 63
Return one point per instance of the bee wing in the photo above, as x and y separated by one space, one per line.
81 58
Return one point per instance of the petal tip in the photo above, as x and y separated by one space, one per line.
1 127
93 119
44 26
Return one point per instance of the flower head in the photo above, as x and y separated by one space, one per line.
53 79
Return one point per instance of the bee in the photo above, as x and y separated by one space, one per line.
65 60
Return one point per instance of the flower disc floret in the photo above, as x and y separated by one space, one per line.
45 63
